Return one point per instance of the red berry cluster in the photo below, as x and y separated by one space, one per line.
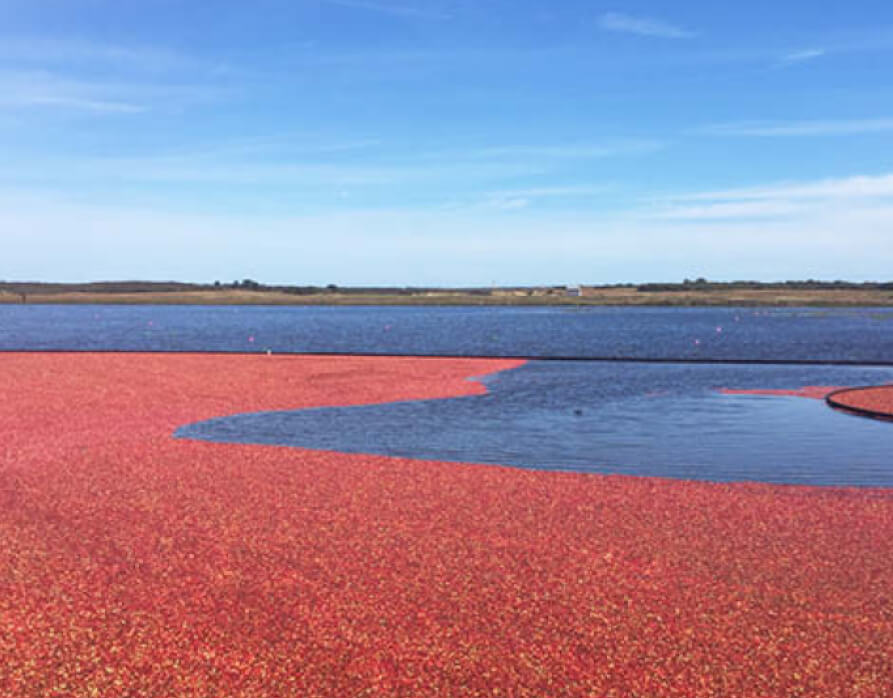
135 564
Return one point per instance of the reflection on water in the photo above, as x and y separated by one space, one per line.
666 420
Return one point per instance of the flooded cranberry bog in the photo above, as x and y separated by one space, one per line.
134 563
868 401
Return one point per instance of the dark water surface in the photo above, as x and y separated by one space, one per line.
666 420
849 334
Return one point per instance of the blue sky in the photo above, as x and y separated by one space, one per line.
445 142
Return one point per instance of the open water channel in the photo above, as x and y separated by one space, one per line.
625 415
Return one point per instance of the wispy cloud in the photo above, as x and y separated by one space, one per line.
425 12
80 75
572 151
787 200
75 53
554 192
508 203
269 167
803 55
800 128
859 186
281 147
731 210
521 198
71 103
321 170
512 199
64 91
368 247
40 89
643 26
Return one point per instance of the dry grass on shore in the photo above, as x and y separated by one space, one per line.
617 296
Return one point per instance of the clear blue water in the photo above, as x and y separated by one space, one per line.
666 420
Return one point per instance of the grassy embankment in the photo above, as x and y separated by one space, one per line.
769 295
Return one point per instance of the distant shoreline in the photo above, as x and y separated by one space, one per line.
699 293
760 298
